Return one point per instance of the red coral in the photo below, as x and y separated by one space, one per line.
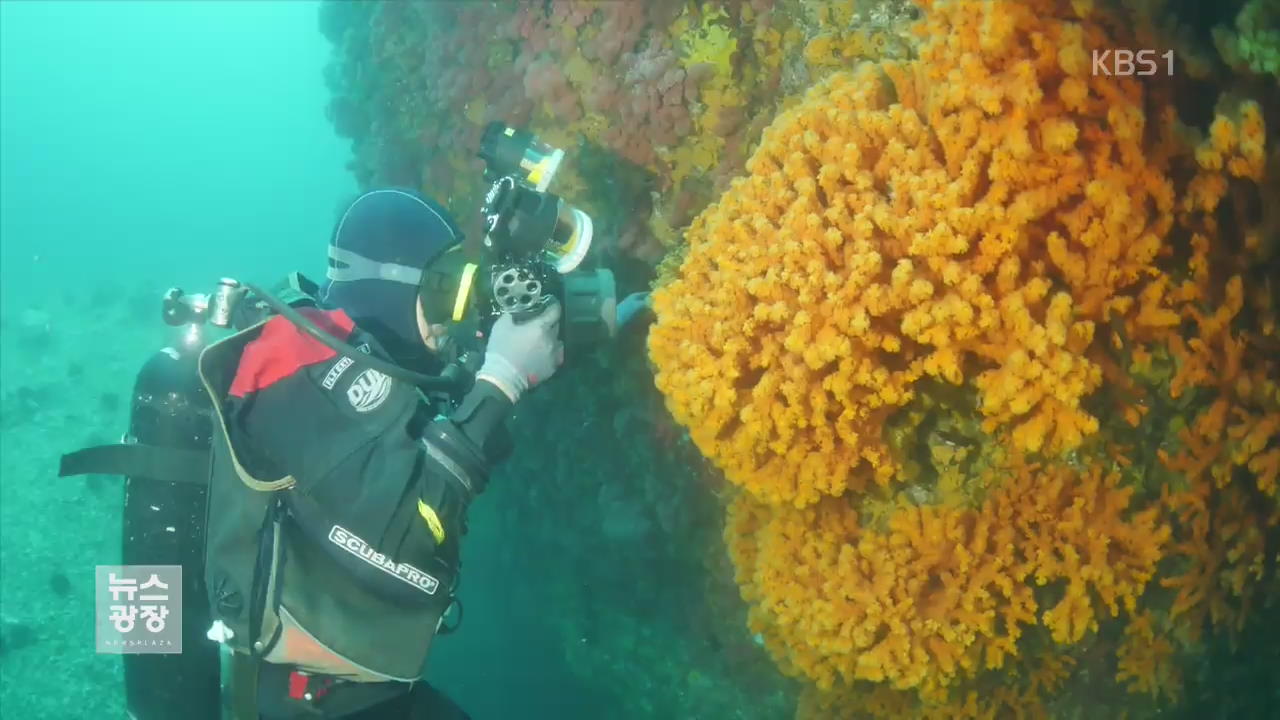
621 30
544 80
534 28
604 95
574 13
651 104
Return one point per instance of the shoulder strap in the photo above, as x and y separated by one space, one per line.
217 366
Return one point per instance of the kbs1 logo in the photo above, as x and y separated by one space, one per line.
1127 63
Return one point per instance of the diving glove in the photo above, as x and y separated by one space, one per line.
522 354
631 306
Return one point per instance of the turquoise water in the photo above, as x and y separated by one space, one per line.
142 145
146 145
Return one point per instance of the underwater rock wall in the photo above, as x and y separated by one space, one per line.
656 103
612 523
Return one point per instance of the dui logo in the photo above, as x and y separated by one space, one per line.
369 390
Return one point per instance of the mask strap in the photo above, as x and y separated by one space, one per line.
359 267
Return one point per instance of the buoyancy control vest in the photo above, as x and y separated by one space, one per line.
296 575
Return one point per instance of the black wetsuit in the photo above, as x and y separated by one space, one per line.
370 451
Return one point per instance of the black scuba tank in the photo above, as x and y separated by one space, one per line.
163 524
165 461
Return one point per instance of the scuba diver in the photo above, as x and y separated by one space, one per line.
401 474
317 465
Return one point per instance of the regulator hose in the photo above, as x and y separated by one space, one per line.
450 379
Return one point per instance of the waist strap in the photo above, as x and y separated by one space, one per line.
152 462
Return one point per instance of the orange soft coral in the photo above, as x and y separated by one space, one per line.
941 593
947 218
1076 528
908 607
1229 457
1145 659
993 222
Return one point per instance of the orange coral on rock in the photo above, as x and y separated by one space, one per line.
995 218
1237 435
1227 453
1145 659
953 218
941 594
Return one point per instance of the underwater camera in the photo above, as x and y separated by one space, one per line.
535 242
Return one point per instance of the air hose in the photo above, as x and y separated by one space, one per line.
449 379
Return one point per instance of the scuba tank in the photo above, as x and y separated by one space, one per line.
165 460
163 524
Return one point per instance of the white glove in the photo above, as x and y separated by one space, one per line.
521 355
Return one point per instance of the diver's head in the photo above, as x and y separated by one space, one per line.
445 302
377 256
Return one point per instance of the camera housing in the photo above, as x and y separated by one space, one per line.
535 242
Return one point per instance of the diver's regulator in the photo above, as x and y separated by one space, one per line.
215 308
